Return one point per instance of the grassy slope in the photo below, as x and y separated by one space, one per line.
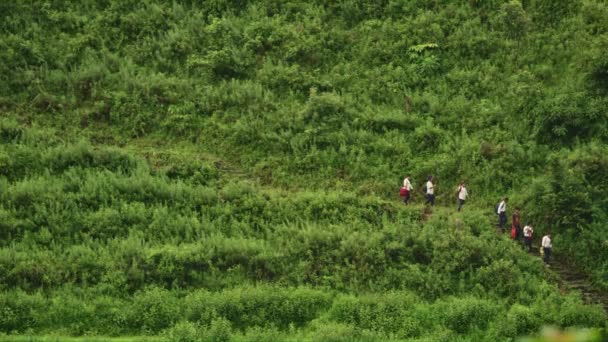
229 247
254 152
76 339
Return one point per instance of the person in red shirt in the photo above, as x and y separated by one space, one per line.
517 224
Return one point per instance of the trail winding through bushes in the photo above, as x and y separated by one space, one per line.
572 279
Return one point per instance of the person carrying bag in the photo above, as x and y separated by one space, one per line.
406 190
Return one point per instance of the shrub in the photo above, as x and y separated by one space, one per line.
10 131
335 332
520 321
389 314
20 311
219 331
574 314
236 190
263 306
154 310
513 19
427 138
110 316
325 108
462 314
70 314
501 277
184 331
259 334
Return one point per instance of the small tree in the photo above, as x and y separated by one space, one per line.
513 20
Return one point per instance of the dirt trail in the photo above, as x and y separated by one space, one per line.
573 279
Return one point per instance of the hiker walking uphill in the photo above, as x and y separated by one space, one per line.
406 190
462 195
501 210
516 223
547 247
430 191
528 231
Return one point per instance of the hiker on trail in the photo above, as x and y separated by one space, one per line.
547 247
407 186
502 213
430 191
462 195
528 236
517 224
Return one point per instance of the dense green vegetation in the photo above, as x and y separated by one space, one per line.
228 169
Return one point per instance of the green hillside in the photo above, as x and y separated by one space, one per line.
229 170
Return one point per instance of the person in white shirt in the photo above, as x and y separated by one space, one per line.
528 236
502 213
547 247
462 195
407 184
430 191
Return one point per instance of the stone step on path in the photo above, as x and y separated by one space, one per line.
573 279
227 168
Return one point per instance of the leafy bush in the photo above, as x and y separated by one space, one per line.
154 310
219 331
390 314
520 321
184 332
462 314
336 332
20 311
259 306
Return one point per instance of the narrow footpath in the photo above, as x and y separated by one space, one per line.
572 279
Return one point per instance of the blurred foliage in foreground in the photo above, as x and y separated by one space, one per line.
550 334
